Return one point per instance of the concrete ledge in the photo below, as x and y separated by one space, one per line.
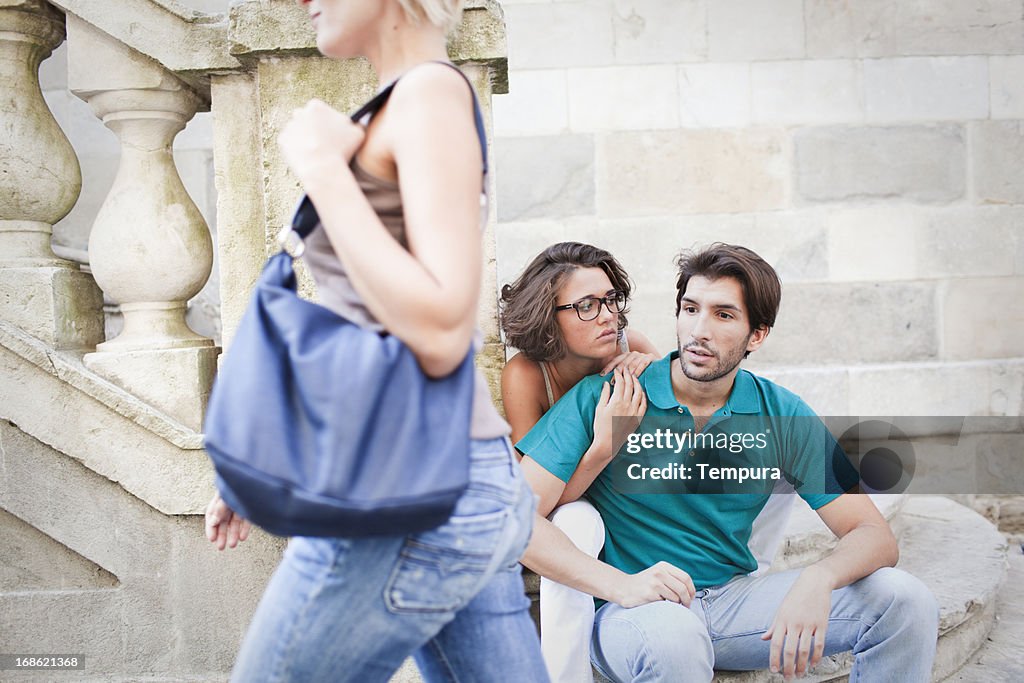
153 456
999 658
807 539
965 582
178 37
979 387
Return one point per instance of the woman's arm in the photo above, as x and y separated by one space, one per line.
639 342
626 400
641 354
522 394
426 296
551 554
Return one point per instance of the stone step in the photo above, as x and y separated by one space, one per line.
807 539
1001 656
962 559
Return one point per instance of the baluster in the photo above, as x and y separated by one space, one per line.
149 249
40 180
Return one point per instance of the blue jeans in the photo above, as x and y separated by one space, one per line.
889 619
340 609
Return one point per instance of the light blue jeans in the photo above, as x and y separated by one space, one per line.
342 609
889 620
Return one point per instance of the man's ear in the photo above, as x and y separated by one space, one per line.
757 338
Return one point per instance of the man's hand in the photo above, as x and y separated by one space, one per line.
223 526
663 581
803 615
626 399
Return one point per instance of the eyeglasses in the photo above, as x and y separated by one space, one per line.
590 307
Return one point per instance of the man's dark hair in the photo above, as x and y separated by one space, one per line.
528 304
762 289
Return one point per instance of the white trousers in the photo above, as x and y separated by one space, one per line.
566 614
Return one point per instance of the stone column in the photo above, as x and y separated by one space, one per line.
150 249
40 180
277 40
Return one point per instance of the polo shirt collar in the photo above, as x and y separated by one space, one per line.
742 399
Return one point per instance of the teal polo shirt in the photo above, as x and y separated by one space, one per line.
702 523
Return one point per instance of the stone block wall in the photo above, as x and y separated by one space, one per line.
872 151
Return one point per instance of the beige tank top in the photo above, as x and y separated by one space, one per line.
337 293
623 348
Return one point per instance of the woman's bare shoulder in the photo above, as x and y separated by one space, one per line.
431 85
522 375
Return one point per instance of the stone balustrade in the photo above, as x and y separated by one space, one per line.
145 68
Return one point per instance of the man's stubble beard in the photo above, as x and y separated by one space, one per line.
722 368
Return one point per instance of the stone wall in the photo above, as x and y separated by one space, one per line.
872 151
140 593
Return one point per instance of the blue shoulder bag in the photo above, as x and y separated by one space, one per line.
318 427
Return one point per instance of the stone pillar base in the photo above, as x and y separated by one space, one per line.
58 304
176 381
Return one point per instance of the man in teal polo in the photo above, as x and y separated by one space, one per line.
673 578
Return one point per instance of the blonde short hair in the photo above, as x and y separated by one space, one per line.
445 14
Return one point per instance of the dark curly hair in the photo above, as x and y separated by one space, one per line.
528 304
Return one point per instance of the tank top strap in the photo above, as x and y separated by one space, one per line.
547 383
623 342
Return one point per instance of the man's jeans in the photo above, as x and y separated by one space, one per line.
342 609
889 619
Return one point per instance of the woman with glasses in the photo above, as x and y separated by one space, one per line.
566 314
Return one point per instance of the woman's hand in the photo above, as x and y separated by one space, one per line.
319 142
223 526
662 581
626 400
633 362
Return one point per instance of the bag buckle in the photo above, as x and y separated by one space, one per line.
291 242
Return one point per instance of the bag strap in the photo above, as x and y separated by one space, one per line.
305 219
374 105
